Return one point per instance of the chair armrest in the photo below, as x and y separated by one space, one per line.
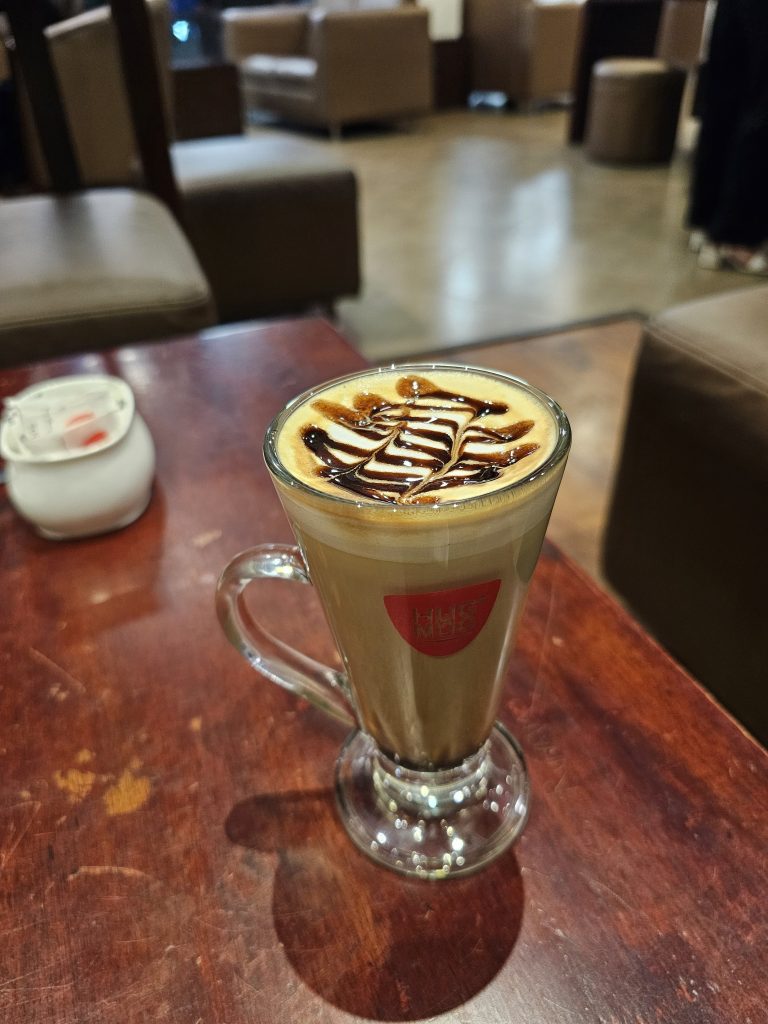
371 61
278 31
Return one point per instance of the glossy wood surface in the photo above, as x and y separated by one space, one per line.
169 849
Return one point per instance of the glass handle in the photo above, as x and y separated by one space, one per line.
289 668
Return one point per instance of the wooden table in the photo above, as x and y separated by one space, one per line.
169 849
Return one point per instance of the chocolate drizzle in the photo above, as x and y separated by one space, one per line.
406 452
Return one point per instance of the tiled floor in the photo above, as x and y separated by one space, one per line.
478 225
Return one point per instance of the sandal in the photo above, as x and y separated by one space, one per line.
726 257
697 239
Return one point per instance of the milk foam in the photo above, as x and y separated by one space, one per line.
347 424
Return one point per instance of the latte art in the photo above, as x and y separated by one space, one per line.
407 451
416 439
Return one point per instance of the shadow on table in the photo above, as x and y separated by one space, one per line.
97 583
366 940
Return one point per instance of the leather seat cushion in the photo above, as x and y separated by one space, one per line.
269 157
738 318
286 72
712 355
93 269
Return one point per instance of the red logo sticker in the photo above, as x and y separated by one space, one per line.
445 621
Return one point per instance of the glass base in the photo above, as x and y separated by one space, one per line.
433 824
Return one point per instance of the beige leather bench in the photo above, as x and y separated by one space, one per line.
687 540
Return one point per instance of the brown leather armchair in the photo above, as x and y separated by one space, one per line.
525 49
685 541
333 66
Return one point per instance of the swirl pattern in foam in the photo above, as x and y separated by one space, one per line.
417 435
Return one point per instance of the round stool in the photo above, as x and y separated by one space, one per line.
634 107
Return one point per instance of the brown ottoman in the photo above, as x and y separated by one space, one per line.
273 220
634 106
687 537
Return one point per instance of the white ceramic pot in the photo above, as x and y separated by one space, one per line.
79 458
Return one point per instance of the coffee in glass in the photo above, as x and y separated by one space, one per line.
419 496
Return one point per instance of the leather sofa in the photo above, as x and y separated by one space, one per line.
686 539
332 66
524 49
272 219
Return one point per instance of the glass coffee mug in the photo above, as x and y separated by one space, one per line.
419 496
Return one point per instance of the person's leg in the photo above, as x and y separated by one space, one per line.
722 91
741 217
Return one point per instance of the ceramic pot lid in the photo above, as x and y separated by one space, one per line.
66 418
